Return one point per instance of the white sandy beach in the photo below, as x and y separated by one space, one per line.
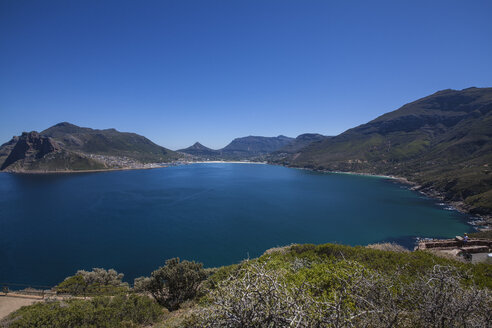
225 162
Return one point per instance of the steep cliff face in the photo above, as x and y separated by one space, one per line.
67 147
30 146
6 149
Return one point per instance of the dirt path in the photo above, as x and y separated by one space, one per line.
9 304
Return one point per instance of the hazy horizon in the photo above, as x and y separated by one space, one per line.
180 72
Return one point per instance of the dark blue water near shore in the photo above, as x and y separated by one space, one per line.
52 225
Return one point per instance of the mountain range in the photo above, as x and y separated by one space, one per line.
251 147
300 142
442 142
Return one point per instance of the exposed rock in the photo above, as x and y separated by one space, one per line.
66 147
6 149
30 146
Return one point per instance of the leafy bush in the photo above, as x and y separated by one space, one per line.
174 283
95 282
104 312
102 277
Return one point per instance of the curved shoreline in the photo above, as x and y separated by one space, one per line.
156 166
483 222
85 171
226 162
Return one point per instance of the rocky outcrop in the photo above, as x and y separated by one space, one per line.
29 147
65 147
6 149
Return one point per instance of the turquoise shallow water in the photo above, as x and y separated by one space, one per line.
52 225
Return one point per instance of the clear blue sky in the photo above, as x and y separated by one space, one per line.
184 71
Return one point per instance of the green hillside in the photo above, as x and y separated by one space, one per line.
108 142
301 141
252 146
442 142
67 147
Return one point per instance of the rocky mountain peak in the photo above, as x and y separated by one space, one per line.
29 147
198 145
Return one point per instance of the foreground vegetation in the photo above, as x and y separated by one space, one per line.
100 311
296 286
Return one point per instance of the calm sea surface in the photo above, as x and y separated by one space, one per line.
218 214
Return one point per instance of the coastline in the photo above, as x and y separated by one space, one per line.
225 162
392 177
86 171
152 166
479 222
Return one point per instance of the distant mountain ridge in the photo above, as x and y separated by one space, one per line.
67 147
255 145
197 149
442 141
241 148
302 141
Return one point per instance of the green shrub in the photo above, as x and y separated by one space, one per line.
410 264
407 264
100 312
92 283
174 283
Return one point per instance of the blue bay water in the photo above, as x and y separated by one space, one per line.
218 214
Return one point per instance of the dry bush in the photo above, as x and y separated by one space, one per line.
441 300
258 297
255 297
357 297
